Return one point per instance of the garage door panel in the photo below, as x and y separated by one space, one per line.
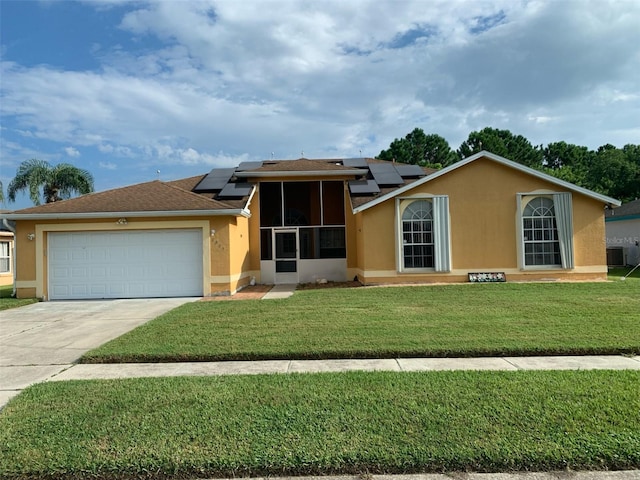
58 254
99 290
59 273
78 290
131 264
116 290
78 254
60 290
98 272
98 254
79 272
78 239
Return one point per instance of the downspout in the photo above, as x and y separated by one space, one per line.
12 229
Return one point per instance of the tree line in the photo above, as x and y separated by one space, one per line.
609 170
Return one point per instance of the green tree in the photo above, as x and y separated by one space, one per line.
568 162
57 182
418 148
561 154
613 174
503 143
632 153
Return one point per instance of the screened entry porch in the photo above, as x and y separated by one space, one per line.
302 232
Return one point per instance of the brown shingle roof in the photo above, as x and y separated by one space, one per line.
300 165
359 200
190 183
153 196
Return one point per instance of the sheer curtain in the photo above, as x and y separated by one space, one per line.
441 232
563 207
4 257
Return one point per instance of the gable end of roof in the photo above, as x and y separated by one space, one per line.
495 158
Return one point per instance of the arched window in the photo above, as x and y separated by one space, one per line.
417 235
540 233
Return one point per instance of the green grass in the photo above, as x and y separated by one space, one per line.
323 424
617 273
452 320
7 302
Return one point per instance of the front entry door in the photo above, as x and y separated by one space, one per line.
286 256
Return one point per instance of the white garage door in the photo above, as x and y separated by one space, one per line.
125 264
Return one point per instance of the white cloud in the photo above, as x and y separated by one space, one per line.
108 165
329 78
190 156
105 148
72 152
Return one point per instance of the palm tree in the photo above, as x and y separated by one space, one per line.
57 182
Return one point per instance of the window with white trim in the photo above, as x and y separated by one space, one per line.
547 230
423 227
540 234
417 235
5 257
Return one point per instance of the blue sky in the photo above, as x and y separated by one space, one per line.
125 89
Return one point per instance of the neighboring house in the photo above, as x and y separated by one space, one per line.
6 255
623 234
299 221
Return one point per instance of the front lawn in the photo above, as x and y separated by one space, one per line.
449 320
7 302
318 424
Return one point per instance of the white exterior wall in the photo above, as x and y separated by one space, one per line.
625 234
309 271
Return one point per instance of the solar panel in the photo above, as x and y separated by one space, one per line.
216 179
355 162
236 190
360 187
244 166
409 171
385 174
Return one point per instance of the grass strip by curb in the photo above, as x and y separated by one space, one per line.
316 424
425 321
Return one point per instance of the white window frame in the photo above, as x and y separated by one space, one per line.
7 256
563 215
441 233
423 221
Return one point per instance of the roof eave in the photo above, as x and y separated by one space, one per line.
235 212
498 159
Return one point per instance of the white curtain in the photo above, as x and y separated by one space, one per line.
441 234
563 207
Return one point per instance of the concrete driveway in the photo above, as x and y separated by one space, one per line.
40 340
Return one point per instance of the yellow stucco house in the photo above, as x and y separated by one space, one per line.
299 221
6 256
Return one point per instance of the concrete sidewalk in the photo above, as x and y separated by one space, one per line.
137 370
280 291
568 475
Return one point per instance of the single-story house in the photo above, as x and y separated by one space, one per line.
300 221
623 234
6 254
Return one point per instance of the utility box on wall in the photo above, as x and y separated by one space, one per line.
615 257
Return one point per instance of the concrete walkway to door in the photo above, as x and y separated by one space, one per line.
40 340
